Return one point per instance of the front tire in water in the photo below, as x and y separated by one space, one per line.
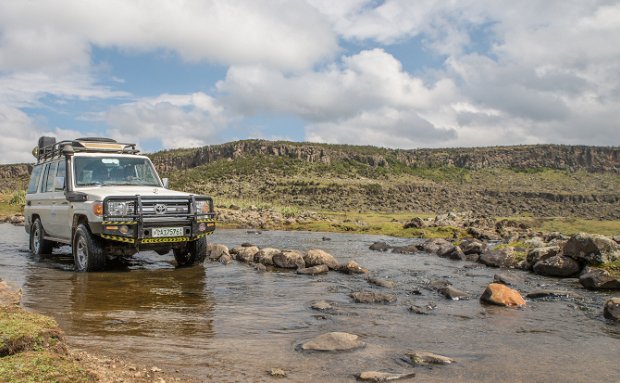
38 244
193 253
87 250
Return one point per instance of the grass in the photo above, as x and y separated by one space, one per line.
21 330
6 208
570 226
42 367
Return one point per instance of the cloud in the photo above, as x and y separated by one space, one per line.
173 121
288 35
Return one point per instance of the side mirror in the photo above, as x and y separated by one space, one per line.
59 183
166 182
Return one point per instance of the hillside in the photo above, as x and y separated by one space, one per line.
539 180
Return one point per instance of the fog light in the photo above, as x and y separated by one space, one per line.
124 229
202 227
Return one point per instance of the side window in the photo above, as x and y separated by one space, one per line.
61 176
51 174
33 185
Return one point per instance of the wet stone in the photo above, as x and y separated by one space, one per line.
225 259
372 297
504 279
423 358
553 294
378 376
265 256
245 253
380 246
352 267
317 257
501 295
333 341
216 250
598 279
612 309
421 310
381 282
314 270
557 266
321 306
409 249
453 293
289 259
277 373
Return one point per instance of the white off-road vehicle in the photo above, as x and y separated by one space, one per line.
105 200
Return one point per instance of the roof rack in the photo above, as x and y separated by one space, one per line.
88 145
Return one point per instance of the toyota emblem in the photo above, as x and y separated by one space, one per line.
160 208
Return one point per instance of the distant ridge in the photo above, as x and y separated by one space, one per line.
561 157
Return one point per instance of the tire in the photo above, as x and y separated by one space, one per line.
194 253
38 244
87 250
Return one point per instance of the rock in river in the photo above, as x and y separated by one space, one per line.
557 266
504 279
378 376
316 257
216 250
380 246
502 295
352 267
497 259
473 246
598 279
265 256
381 282
225 259
289 259
612 309
592 249
540 254
553 294
452 293
423 358
245 253
333 341
372 297
314 270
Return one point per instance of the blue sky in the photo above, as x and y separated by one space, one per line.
391 73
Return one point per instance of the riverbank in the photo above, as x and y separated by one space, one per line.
33 349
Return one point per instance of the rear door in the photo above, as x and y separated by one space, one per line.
60 209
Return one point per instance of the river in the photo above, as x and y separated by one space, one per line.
232 323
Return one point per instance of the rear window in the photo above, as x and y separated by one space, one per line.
51 174
33 185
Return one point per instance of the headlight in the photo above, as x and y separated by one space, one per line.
202 207
118 208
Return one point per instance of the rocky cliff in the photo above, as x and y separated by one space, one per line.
590 158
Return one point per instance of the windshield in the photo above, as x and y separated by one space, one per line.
91 171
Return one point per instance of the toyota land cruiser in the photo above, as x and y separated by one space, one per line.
105 200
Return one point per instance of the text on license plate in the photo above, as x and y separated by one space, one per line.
158 232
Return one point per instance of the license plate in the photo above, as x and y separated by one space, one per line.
158 232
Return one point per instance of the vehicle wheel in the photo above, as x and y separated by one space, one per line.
38 244
194 253
87 250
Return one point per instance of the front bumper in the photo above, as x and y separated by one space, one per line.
138 228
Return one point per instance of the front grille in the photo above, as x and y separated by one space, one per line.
165 207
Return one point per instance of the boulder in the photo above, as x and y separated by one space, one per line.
316 257
592 249
416 223
333 341
321 305
352 267
265 256
453 293
423 358
381 282
557 266
380 246
497 258
313 270
455 253
289 259
216 250
225 259
502 295
612 309
372 297
377 376
472 246
598 279
245 253
482 234
540 254
436 246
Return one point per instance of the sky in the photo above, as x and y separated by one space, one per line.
395 73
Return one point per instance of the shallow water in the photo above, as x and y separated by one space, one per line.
232 323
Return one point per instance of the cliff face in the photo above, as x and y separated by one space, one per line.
14 177
590 158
